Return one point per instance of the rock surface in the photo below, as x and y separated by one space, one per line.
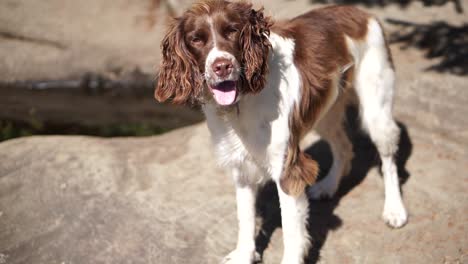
57 39
163 200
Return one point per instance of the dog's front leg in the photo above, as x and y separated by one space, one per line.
245 249
294 214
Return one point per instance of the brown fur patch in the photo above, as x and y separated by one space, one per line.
179 79
239 30
256 46
320 54
300 172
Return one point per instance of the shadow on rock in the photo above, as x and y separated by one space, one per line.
439 40
321 212
402 3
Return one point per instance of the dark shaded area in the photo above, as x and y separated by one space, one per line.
13 129
439 39
135 83
117 104
322 212
402 3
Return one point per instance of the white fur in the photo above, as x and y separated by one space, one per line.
375 87
259 132
252 141
374 84
294 214
258 135
212 31
213 55
245 250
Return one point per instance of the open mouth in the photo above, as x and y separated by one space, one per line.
225 93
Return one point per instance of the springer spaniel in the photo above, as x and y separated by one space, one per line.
264 85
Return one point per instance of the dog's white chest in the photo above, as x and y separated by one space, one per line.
259 131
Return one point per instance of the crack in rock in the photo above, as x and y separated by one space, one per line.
44 42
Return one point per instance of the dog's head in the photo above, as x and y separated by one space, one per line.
216 51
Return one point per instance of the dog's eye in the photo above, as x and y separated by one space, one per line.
230 31
196 40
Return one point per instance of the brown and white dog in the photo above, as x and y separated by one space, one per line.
264 85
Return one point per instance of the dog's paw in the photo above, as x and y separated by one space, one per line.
292 260
395 215
322 190
242 257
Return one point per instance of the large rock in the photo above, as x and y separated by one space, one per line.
57 39
91 200
163 200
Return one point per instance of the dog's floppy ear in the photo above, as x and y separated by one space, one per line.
179 78
255 47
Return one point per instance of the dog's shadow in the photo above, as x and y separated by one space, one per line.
321 213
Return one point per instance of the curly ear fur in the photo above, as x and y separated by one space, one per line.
255 48
179 78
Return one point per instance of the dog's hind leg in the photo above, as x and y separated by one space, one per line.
332 130
375 87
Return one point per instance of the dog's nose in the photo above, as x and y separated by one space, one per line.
222 67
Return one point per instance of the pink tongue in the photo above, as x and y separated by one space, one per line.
225 94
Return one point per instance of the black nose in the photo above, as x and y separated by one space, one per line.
222 67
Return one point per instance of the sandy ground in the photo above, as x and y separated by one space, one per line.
162 199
